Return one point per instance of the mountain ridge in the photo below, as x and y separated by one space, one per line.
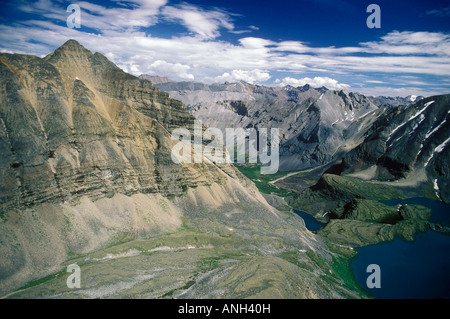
380 101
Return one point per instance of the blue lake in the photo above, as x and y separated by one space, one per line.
410 270
440 210
310 222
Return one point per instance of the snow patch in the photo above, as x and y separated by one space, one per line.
429 103
438 149
435 130
396 140
441 147
422 117
421 111
411 118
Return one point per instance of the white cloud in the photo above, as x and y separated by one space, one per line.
141 64
255 43
251 28
375 82
135 14
170 70
293 46
408 43
315 82
204 23
442 13
251 76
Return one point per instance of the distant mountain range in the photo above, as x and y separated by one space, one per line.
167 85
390 138
312 120
386 101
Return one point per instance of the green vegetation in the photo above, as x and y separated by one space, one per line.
295 257
357 215
333 192
209 263
262 181
43 280
342 268
348 187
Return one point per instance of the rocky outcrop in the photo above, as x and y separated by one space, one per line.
332 192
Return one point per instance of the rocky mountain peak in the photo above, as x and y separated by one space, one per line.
322 89
70 49
305 87
76 62
72 44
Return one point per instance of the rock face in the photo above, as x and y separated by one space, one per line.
75 130
385 138
387 101
73 123
316 125
407 142
85 164
324 128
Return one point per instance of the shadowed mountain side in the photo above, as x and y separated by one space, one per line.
409 144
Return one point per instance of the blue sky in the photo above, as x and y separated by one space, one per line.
320 42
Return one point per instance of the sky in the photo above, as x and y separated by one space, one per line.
274 43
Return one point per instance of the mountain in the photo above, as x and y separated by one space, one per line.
316 125
183 91
87 177
321 129
410 144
